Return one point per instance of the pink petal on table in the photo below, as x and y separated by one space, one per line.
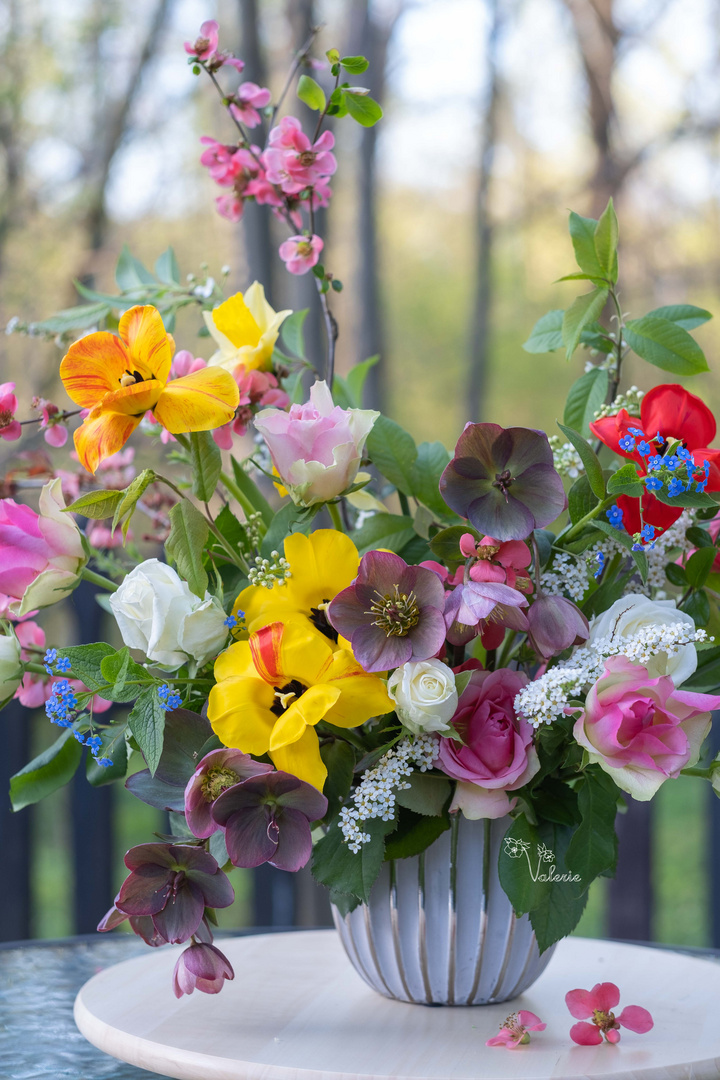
635 1018
585 1034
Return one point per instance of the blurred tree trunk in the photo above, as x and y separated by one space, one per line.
371 38
484 229
111 124
12 90
255 237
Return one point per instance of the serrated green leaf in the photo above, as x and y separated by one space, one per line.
167 268
589 459
593 847
666 345
292 332
392 450
626 482
584 310
97 504
49 771
428 795
130 498
189 532
86 661
289 519
686 316
147 723
606 241
446 543
310 93
363 109
585 397
414 834
206 463
339 868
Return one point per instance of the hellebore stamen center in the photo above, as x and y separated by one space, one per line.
216 780
502 481
397 613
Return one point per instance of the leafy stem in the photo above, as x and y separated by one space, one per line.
573 530
98 579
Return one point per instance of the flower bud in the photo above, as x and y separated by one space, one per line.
425 695
11 670
555 624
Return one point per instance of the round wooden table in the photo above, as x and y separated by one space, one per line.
298 1011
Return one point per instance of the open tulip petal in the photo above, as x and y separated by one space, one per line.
93 367
200 401
302 758
103 434
148 342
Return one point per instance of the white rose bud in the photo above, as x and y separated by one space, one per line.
158 614
11 669
424 694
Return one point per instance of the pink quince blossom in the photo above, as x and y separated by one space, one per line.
101 536
184 363
293 161
204 46
10 428
256 388
514 1031
301 253
640 729
597 1004
56 433
505 561
230 207
249 97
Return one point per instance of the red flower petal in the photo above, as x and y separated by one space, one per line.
676 413
655 513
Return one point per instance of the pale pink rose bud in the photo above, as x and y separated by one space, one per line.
316 447
41 555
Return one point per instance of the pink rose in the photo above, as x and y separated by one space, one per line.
316 447
41 556
497 754
641 730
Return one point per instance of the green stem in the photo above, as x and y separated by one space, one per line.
237 494
697 771
98 579
335 515
36 669
580 525
404 504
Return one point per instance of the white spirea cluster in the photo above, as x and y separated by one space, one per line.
270 572
658 557
566 459
630 401
375 795
545 699
570 574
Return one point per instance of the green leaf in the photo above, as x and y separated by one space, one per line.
206 462
581 499
638 557
289 519
87 661
130 498
428 795
676 575
582 232
74 318
114 747
339 760
585 397
589 459
309 92
695 500
707 677
414 834
292 332
425 473
626 482
189 532
167 268
686 316
606 242
593 847
357 375
126 678
392 450
546 334
666 345
699 537
698 606
583 311
518 871
363 109
336 866
252 492
391 531
699 566
562 905
355 65
130 272
147 723
97 504
446 543
49 771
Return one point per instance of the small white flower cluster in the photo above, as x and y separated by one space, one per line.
566 459
270 572
545 699
252 529
657 554
630 400
569 576
375 795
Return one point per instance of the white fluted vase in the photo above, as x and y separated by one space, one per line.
438 928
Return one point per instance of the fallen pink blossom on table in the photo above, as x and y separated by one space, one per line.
514 1030
597 1005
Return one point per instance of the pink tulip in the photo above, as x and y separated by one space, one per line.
41 555
597 1005
641 730
316 447
301 253
204 46
514 1031
249 97
10 428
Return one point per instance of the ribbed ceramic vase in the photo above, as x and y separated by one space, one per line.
438 928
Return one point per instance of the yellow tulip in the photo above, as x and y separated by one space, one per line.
273 689
245 329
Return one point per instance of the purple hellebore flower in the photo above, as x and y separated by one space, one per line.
201 967
173 884
218 771
471 603
267 819
554 624
142 925
503 481
391 613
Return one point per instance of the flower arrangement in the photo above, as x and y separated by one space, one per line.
326 663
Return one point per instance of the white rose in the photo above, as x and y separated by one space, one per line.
11 669
425 695
157 613
633 613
